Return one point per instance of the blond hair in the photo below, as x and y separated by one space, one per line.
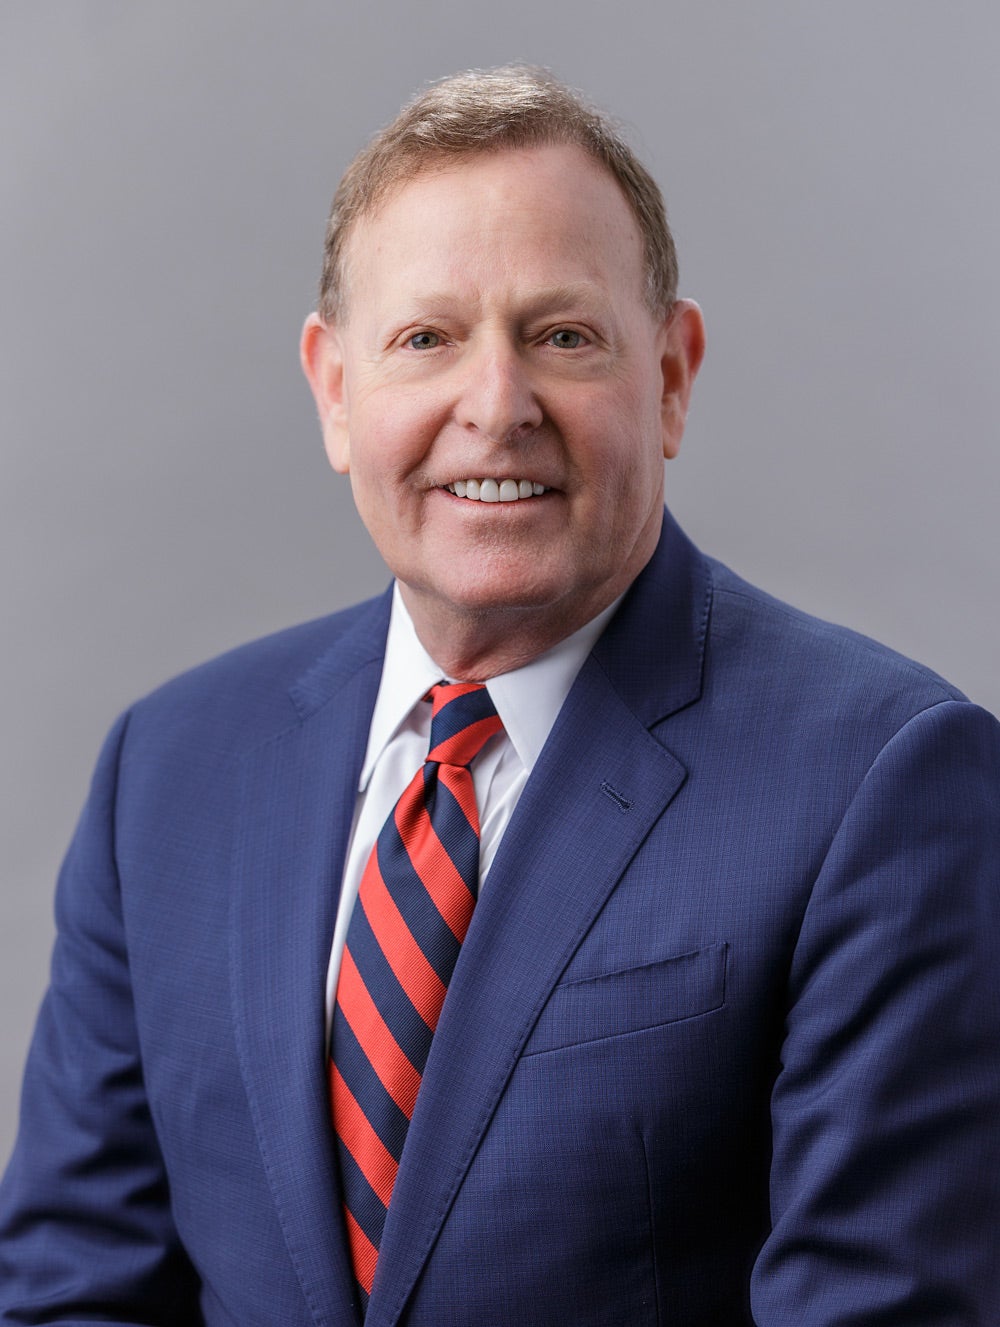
489 110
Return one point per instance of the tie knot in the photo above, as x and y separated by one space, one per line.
463 721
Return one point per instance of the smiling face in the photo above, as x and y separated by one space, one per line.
496 343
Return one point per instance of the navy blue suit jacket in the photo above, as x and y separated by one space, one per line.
722 1045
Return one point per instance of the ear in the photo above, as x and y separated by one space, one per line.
683 351
322 358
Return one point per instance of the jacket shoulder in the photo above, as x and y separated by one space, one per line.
262 685
810 655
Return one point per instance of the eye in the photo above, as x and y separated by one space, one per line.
424 341
564 338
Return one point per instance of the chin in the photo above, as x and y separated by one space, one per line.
486 598
484 604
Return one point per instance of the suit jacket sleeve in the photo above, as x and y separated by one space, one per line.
85 1222
885 1182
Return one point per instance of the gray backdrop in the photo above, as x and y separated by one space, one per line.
165 169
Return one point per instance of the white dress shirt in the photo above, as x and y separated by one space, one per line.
527 700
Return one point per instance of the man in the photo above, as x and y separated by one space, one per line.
717 1042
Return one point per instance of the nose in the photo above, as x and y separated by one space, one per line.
497 397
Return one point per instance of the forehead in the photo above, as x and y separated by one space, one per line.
547 214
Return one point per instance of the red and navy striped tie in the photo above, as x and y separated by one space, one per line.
413 910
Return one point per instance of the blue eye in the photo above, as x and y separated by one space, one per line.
566 339
424 341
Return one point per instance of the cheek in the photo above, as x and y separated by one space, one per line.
378 455
627 460
385 480
393 438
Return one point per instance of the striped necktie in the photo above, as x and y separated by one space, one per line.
413 910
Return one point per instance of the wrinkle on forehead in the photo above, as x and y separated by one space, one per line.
485 220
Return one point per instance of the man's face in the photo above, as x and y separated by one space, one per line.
497 337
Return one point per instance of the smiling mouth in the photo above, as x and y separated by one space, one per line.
496 490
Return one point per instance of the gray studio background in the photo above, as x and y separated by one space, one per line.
165 170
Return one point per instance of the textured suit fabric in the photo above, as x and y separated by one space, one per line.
722 1045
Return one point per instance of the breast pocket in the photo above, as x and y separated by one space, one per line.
671 989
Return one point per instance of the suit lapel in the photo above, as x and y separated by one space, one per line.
298 790
601 783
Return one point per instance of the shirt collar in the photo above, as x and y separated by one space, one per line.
528 699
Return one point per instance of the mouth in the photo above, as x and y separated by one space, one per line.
496 490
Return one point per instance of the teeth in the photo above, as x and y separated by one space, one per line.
496 490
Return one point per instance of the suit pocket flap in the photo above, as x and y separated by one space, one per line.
631 1000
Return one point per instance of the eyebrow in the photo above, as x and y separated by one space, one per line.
579 295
